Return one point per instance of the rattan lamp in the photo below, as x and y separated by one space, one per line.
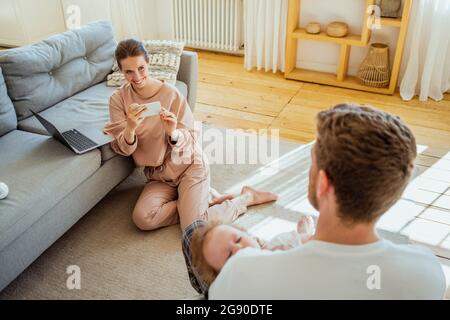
375 70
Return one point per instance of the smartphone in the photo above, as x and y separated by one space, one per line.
153 109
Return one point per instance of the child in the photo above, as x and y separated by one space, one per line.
215 242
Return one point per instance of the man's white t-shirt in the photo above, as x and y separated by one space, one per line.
322 270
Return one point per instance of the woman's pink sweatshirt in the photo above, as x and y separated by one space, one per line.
152 147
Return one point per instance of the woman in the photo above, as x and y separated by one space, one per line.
176 190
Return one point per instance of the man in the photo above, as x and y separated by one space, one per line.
361 164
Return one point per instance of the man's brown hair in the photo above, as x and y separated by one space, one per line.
130 48
368 156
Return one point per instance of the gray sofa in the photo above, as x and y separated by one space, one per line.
51 188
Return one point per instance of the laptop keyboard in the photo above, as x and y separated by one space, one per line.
78 140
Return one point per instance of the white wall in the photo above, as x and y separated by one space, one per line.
150 19
26 21
12 32
43 17
164 19
90 10
93 10
322 56
157 18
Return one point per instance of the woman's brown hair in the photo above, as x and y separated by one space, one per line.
130 48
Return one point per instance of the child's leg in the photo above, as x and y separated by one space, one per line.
193 196
193 202
306 228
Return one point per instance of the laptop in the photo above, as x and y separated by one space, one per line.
79 140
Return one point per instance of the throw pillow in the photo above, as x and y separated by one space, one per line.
164 63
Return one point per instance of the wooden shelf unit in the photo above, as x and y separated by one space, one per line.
351 39
393 22
341 79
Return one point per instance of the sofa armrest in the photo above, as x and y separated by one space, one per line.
188 74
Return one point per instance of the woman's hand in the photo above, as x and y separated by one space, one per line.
169 121
134 119
135 116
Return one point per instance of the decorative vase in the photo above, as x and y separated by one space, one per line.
375 69
390 8
337 29
313 28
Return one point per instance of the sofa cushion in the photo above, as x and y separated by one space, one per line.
39 172
8 120
87 107
40 75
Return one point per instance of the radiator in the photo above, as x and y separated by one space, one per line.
209 24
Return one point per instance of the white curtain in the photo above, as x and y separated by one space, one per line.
426 61
127 18
265 34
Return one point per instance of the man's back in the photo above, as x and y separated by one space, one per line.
321 270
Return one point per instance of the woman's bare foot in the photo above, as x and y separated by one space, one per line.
254 197
217 198
221 199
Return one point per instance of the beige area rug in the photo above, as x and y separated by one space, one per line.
118 261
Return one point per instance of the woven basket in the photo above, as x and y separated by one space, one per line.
375 71
313 28
337 29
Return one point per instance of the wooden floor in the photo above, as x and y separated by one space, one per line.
232 97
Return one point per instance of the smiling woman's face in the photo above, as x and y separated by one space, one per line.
222 242
135 70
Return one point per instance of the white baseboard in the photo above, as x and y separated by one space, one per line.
11 43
